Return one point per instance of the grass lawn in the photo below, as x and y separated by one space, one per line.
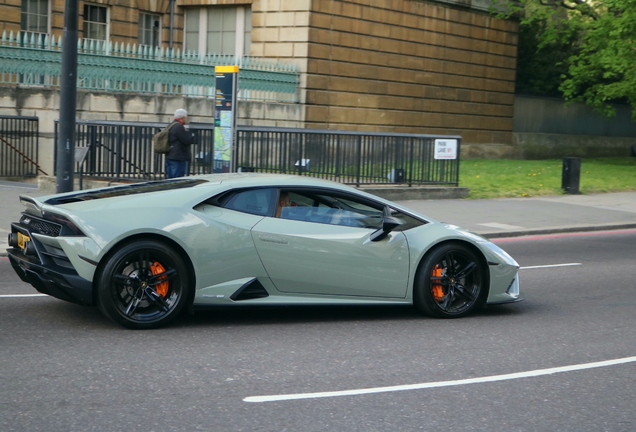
523 178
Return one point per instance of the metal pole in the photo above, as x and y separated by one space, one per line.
68 95
171 22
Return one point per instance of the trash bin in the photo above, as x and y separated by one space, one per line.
571 178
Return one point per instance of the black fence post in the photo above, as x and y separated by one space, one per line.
359 160
118 153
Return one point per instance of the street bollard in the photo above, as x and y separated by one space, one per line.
571 178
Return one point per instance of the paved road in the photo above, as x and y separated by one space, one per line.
66 368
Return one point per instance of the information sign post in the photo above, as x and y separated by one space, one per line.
225 118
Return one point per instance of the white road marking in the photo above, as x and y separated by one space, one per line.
551 265
500 225
518 375
21 295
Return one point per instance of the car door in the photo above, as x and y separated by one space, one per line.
320 245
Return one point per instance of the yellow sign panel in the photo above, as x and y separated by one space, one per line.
226 69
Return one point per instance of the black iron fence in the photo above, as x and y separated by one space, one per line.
123 151
108 150
19 146
349 157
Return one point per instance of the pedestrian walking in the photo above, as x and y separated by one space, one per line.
180 140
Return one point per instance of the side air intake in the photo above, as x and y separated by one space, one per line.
250 291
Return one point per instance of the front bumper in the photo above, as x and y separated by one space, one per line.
49 271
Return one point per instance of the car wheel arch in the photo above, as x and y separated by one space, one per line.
141 237
469 245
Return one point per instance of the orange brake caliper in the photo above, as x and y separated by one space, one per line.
162 288
436 288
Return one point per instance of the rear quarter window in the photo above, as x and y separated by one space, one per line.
254 201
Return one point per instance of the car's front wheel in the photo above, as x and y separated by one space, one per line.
450 282
144 284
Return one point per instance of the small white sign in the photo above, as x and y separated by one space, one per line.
445 149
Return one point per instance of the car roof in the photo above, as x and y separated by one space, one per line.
266 179
221 182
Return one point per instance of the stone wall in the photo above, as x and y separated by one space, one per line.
400 66
411 67
280 30
44 104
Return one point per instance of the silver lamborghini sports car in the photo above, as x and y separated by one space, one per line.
144 253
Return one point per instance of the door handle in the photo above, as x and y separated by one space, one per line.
271 238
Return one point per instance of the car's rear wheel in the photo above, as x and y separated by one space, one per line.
144 284
450 282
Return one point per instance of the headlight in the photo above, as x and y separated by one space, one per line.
502 255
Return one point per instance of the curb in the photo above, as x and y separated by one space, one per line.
557 230
396 193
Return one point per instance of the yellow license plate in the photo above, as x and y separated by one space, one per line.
22 239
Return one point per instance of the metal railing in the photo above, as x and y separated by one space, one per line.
35 60
19 146
348 157
123 151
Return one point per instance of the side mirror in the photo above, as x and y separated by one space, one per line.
389 223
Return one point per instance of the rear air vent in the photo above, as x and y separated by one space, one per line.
250 291
41 226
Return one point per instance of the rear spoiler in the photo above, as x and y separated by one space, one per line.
32 205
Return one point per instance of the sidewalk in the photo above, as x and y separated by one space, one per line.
506 217
512 217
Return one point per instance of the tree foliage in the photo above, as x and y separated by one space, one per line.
540 65
585 48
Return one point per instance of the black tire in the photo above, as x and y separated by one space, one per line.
144 284
451 282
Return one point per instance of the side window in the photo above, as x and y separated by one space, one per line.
253 201
408 222
337 209
325 208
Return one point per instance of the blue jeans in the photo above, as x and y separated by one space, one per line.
176 168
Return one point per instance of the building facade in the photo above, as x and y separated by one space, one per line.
405 66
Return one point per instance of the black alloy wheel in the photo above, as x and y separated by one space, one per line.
143 285
450 282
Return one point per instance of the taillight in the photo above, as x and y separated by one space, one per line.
68 227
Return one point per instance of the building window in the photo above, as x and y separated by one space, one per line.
149 29
35 16
247 34
219 30
95 22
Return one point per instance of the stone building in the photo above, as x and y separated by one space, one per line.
405 66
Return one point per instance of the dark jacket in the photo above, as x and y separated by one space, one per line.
180 140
